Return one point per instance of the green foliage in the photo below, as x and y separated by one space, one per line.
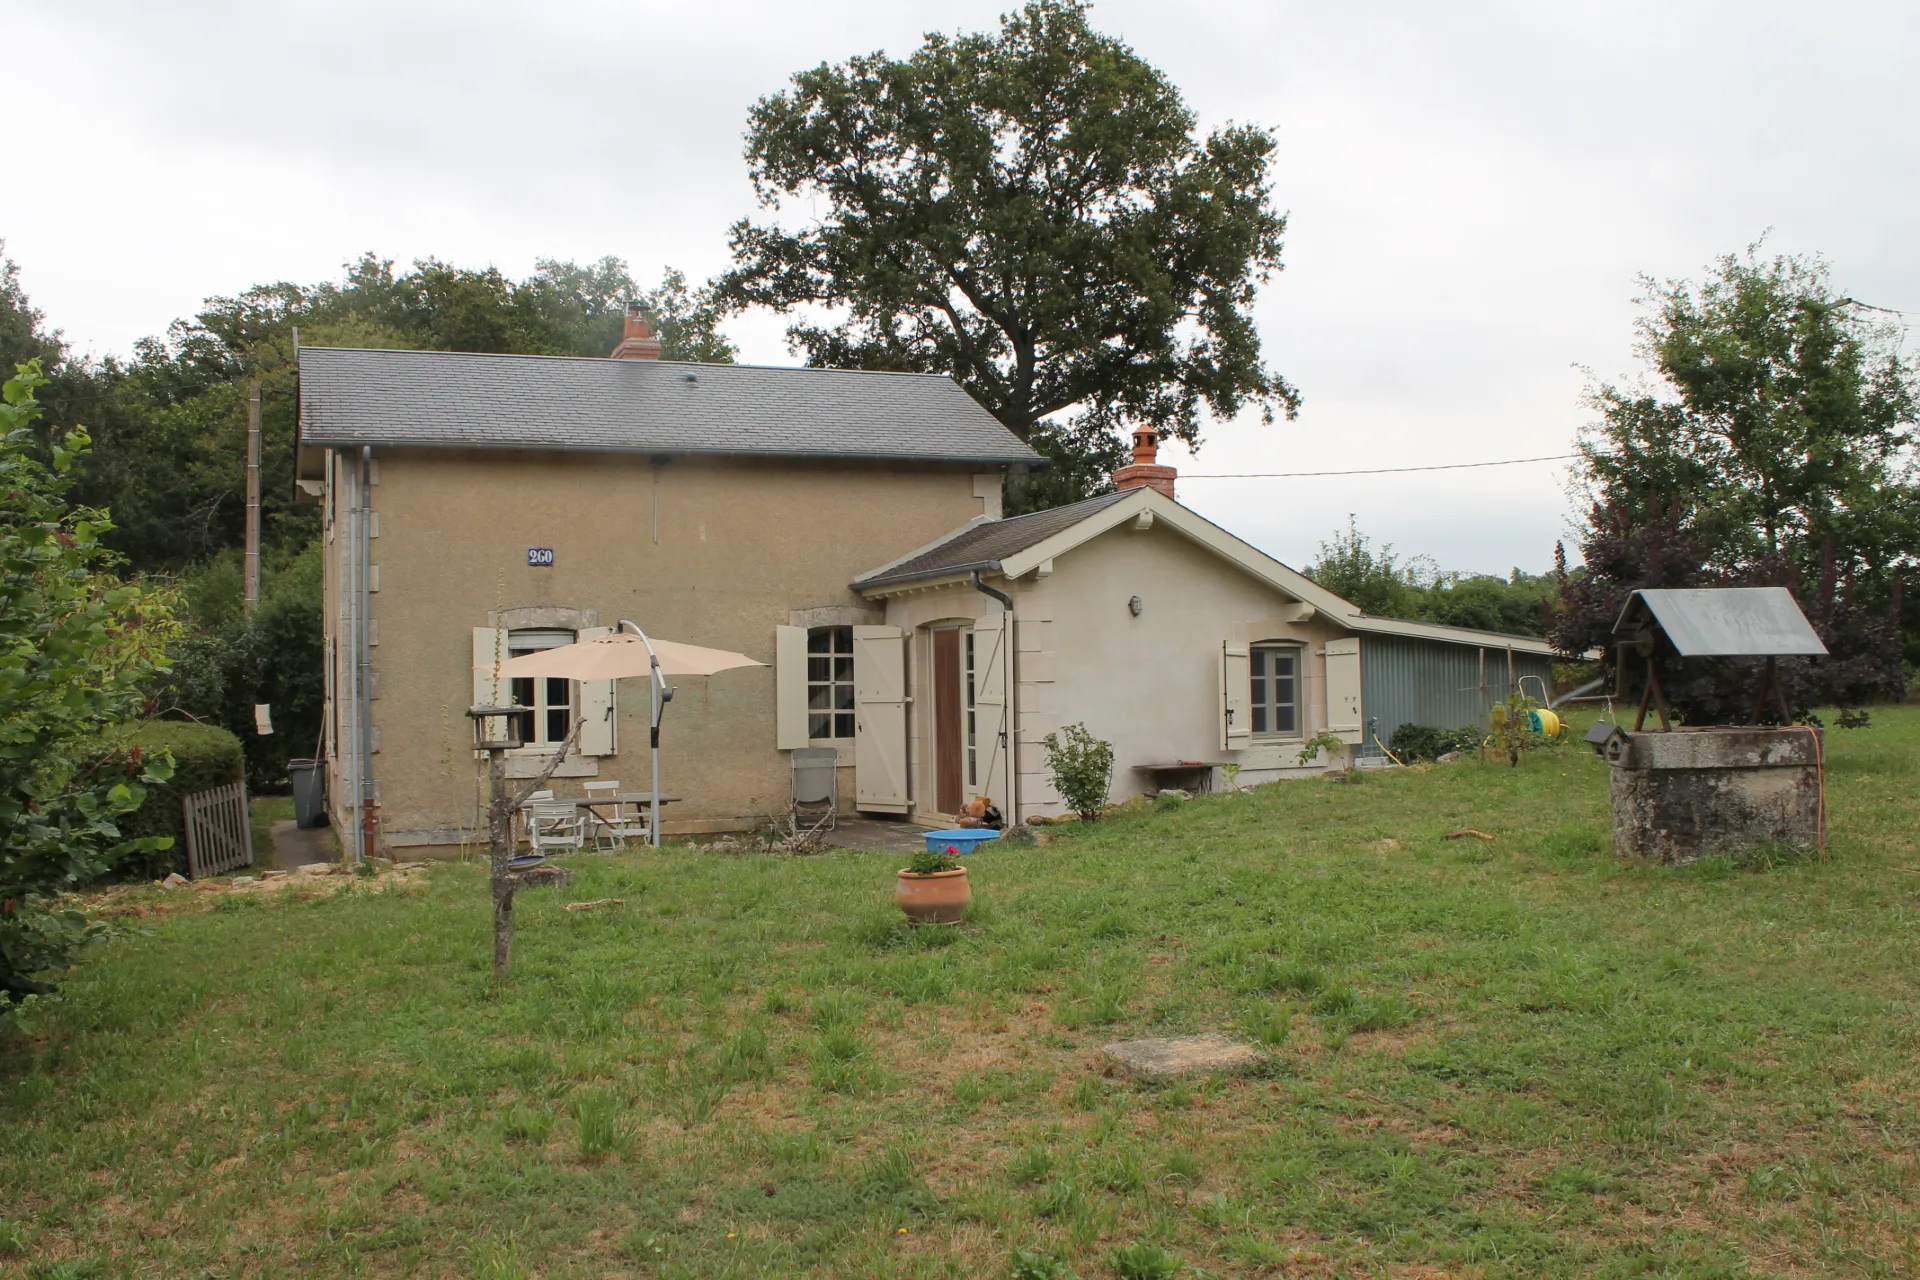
230 657
203 756
1382 584
1771 446
1143 1261
1513 726
1326 741
75 647
1411 742
1032 212
1081 767
169 425
926 862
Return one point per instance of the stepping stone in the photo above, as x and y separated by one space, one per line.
1163 1059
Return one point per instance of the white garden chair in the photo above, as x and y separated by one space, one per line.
555 826
615 825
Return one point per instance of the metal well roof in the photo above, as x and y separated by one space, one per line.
1726 622
352 396
983 544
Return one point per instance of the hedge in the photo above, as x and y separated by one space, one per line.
204 756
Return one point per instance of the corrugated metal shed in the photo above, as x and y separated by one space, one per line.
1409 681
1725 622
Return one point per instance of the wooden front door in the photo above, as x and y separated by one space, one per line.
946 720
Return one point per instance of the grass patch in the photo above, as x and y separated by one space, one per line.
1513 1058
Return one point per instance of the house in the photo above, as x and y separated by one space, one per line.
843 527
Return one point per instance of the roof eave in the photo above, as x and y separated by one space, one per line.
396 442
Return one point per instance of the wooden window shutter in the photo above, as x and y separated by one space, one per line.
489 650
790 687
1236 715
1343 688
880 703
599 708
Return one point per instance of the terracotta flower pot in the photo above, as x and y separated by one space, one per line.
939 897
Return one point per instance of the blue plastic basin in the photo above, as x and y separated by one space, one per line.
965 839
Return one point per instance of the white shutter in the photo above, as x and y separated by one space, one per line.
1236 716
1343 689
489 690
790 687
993 741
880 721
599 711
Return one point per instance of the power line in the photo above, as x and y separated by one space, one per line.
1369 471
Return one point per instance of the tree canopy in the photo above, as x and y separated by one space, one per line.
1770 445
168 424
1418 590
1032 212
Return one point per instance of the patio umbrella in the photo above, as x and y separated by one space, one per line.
619 655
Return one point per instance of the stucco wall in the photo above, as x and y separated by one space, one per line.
740 547
1148 684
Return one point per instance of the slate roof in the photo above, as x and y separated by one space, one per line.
351 397
983 544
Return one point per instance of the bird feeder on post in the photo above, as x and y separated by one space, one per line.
493 734
1683 791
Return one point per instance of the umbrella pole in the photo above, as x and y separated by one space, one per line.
653 802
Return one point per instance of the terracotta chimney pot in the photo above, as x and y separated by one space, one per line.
638 342
1144 471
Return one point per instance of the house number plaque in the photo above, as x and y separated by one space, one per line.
539 557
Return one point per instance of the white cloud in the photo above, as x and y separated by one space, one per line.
1473 187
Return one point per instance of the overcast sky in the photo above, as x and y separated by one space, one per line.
1472 186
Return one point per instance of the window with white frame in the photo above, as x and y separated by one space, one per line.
829 683
1273 672
549 701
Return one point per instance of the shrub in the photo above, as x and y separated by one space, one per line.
1412 742
76 645
231 657
203 755
1082 768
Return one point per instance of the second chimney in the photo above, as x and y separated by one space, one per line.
638 342
1145 471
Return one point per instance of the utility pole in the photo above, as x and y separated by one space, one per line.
253 491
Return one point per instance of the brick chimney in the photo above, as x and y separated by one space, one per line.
1144 471
638 343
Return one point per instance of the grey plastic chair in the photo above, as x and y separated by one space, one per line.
816 785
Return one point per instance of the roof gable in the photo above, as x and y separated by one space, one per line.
1014 549
440 399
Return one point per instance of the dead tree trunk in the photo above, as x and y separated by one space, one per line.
501 806
500 842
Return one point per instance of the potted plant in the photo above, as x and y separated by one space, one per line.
932 888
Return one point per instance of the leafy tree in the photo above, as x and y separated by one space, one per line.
1032 213
169 425
229 657
1770 447
1376 580
76 645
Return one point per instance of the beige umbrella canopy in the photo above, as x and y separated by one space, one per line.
619 655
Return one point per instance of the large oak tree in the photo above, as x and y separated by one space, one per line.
1032 212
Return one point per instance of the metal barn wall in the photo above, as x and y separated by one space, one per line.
1407 681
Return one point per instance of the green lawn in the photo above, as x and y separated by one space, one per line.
1517 1058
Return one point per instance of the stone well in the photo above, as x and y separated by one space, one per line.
1684 793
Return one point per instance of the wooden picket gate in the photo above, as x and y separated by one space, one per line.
219 831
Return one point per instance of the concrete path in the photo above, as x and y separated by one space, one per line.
296 846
